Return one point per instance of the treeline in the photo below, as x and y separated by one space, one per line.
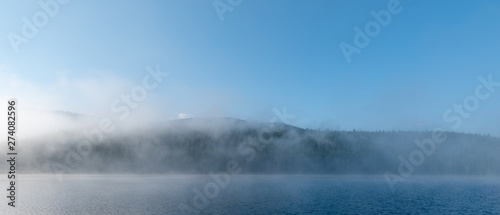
198 146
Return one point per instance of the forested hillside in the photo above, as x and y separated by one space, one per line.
208 145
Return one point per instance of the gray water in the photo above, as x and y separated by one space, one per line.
244 194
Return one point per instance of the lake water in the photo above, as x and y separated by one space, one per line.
244 194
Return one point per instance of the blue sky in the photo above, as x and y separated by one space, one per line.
263 55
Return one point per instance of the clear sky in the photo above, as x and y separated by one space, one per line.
264 54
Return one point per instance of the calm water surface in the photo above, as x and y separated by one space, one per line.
244 194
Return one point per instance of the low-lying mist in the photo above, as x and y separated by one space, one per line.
204 145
